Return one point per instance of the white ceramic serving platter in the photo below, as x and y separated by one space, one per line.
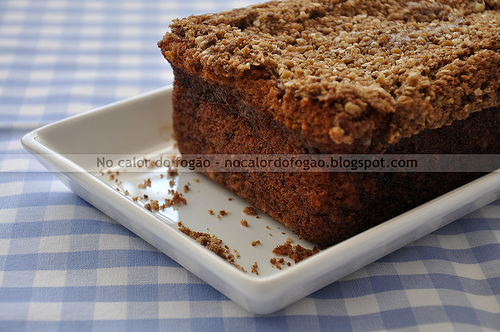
87 150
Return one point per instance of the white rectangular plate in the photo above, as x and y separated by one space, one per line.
78 148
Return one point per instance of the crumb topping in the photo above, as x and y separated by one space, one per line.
357 72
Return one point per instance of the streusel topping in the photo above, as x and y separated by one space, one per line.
348 70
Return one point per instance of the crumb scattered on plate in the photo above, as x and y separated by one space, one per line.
255 268
297 252
250 211
212 243
223 213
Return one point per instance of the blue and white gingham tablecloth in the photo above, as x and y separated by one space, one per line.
66 266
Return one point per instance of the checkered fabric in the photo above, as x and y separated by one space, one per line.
66 266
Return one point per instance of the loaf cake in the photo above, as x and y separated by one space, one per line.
338 77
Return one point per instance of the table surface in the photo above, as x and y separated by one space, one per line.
65 265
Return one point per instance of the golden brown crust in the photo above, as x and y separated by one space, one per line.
358 74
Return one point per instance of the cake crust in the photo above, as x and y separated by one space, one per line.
351 76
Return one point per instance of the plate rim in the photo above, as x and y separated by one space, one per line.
261 290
